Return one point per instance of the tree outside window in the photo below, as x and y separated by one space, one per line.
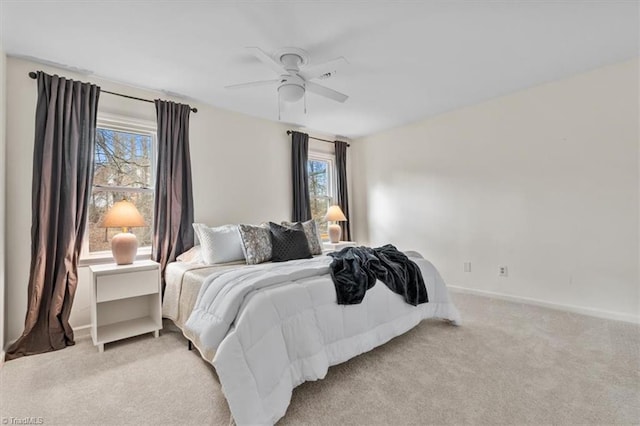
123 169
321 186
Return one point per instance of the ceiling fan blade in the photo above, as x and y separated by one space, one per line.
317 70
268 60
326 92
253 84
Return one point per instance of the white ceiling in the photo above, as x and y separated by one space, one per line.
408 59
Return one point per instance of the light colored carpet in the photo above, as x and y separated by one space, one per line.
508 363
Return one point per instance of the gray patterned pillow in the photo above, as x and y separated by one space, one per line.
311 231
256 243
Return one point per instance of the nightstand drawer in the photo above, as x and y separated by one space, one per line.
124 285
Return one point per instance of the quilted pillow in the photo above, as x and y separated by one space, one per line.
221 244
288 243
310 228
256 243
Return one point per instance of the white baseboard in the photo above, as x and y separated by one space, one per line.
558 306
82 331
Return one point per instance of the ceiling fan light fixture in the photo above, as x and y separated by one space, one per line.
291 92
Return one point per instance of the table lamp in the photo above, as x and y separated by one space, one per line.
334 214
124 245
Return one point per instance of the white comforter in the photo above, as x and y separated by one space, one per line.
269 328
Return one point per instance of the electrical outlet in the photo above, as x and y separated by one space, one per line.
467 266
503 271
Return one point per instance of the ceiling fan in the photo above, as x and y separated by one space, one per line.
290 64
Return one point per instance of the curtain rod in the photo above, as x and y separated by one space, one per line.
318 139
33 75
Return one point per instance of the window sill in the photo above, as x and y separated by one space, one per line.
103 257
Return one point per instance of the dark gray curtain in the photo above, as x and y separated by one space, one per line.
62 177
173 213
300 177
343 193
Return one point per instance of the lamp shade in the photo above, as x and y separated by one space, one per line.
123 214
334 213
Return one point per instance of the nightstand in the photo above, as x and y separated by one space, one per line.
328 247
125 301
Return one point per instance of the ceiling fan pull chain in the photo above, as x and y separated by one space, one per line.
305 102
279 106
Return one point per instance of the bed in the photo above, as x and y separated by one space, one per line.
268 328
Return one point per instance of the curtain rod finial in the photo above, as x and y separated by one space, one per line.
33 75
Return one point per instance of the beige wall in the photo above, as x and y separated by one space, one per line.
241 173
544 181
2 197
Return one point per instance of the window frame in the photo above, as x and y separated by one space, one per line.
128 125
332 189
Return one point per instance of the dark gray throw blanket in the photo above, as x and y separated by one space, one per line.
354 270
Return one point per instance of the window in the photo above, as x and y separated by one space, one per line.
123 169
321 187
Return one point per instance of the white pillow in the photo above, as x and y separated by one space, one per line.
219 245
193 255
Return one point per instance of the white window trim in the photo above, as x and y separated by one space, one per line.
333 182
331 159
125 124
